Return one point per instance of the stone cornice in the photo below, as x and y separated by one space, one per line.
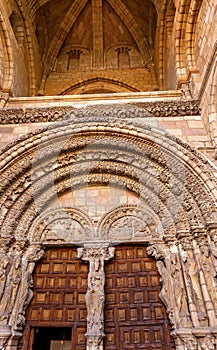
170 108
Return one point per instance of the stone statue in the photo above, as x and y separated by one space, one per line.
95 296
209 273
12 281
4 262
213 253
33 253
165 293
180 297
192 276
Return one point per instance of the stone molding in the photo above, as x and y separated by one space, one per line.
168 108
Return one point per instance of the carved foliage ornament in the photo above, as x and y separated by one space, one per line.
52 114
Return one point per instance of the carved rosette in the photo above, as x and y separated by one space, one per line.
95 296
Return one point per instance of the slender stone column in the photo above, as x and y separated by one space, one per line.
95 296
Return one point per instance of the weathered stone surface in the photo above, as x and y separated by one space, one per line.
96 255
134 110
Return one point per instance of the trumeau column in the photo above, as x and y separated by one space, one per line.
95 296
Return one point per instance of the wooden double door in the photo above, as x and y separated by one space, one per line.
135 317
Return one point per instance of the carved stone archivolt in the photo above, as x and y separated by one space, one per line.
175 215
179 200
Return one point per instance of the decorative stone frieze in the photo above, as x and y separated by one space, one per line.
134 110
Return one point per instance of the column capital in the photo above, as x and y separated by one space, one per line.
95 251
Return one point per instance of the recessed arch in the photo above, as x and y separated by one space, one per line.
98 85
175 215
164 162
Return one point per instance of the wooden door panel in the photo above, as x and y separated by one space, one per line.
135 316
60 284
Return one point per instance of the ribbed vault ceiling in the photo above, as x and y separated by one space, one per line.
94 25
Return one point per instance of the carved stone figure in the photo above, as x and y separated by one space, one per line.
180 297
165 293
33 253
173 289
95 299
4 262
158 250
186 91
12 281
95 296
213 252
209 274
192 276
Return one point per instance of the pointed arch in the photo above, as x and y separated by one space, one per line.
108 85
